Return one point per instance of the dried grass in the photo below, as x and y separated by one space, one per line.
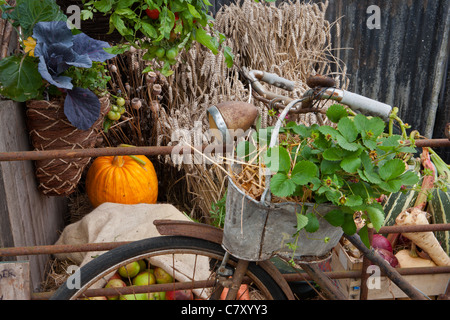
292 40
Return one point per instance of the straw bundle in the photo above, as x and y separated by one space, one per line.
292 40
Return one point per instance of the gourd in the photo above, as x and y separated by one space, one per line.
122 179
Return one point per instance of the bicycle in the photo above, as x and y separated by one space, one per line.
193 252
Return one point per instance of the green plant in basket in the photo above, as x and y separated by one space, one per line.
54 60
350 165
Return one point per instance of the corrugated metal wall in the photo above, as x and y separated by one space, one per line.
403 63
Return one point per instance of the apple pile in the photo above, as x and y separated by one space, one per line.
138 273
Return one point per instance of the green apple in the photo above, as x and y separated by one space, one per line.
162 276
115 283
142 264
130 270
144 278
135 296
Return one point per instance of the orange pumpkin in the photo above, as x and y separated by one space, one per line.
122 179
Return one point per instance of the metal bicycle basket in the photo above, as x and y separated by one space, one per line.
257 230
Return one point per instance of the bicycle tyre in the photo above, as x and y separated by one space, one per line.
103 264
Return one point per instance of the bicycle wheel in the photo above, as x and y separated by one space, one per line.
191 262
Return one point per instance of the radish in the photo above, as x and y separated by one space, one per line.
425 240
388 256
380 242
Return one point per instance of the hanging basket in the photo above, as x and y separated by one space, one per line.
50 129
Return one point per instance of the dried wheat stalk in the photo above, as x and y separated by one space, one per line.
292 40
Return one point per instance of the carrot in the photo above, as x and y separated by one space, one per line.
242 293
425 240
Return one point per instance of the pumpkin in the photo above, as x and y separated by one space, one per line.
122 179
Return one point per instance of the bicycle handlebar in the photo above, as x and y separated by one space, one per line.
355 101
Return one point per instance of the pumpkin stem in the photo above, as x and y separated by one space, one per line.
140 161
118 161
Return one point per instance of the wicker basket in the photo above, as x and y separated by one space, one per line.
49 129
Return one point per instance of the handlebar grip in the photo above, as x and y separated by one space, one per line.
273 79
366 105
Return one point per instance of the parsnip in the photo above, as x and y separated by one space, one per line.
405 260
425 240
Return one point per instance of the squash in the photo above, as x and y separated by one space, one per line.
122 179
439 206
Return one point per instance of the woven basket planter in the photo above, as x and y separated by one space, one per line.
49 129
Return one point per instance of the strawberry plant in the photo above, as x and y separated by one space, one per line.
350 165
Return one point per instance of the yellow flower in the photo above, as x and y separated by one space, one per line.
30 44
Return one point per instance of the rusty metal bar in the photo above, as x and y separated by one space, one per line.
116 151
292 277
51 249
148 151
415 228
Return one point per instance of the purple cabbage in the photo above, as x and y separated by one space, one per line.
58 50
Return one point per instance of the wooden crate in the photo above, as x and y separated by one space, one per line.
430 284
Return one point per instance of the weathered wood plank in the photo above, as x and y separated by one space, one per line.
27 217
15 281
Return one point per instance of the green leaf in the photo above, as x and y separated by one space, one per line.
122 4
329 131
277 159
313 223
28 13
302 221
391 185
409 178
19 78
281 185
116 22
349 225
350 146
302 130
335 217
202 37
329 167
229 56
392 169
167 21
193 11
350 164
353 201
348 129
333 154
148 29
370 144
372 176
370 128
376 215
103 5
336 112
364 235
366 161
304 171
